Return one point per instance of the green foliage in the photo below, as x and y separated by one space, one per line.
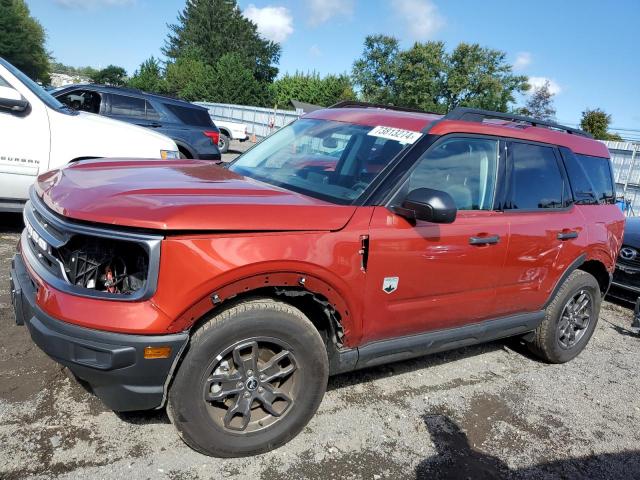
311 88
217 28
596 122
149 77
190 78
540 104
234 83
22 40
111 75
427 77
376 71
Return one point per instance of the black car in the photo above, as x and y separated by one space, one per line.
189 125
626 278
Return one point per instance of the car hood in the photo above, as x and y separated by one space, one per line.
185 195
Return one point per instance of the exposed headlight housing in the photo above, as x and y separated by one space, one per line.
169 154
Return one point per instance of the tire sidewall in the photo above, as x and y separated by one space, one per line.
575 283
190 410
223 143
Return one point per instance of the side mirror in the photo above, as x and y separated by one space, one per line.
429 205
10 99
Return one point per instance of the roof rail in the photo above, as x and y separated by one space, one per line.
357 104
478 115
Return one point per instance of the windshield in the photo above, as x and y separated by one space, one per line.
36 89
333 161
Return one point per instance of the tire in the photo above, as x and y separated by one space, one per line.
552 340
181 154
223 143
222 349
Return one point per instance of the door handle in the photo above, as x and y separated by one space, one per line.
567 235
492 240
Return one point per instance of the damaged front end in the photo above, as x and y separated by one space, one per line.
87 260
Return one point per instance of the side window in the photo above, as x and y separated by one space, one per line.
465 168
127 106
4 83
536 181
598 171
84 100
151 112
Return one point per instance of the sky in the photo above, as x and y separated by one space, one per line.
589 50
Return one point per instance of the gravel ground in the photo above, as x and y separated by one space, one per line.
480 412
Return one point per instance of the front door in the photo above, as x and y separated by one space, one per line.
425 276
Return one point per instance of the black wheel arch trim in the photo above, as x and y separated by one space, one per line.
568 271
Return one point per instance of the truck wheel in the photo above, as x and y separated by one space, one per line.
223 143
570 319
253 377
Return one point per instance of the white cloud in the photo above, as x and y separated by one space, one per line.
89 4
537 82
323 10
523 60
421 17
315 51
274 23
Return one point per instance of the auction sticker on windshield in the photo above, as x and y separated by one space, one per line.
398 134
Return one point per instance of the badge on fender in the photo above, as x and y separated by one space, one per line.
390 284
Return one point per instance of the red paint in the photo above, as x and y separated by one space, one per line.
245 235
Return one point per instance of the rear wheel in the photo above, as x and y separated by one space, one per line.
253 377
570 319
223 143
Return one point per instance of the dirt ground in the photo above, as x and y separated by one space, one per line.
490 411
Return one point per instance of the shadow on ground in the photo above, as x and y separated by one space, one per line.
456 459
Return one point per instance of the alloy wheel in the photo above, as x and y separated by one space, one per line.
575 319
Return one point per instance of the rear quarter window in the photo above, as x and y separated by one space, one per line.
190 116
590 178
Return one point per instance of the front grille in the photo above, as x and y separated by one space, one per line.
629 256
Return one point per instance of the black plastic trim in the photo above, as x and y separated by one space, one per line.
113 364
568 271
403 348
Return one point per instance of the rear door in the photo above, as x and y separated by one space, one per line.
133 110
547 231
425 276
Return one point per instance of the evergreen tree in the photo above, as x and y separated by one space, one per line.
22 40
596 122
311 88
149 77
217 28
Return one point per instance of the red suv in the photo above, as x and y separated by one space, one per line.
358 235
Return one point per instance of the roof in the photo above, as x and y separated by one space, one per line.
418 122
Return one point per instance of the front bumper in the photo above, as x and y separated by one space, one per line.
112 364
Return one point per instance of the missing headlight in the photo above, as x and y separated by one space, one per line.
105 265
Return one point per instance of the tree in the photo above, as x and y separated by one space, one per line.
596 122
217 28
540 103
190 78
234 83
312 88
111 75
427 77
22 40
149 77
376 71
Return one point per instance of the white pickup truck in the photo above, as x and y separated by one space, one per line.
229 131
38 133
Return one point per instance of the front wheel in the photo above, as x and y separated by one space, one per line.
570 319
253 377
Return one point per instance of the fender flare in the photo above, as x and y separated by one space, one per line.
283 280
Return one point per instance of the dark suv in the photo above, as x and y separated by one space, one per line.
189 125
354 236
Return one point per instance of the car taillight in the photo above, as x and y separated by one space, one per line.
214 136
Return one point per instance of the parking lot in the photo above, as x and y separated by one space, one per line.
480 412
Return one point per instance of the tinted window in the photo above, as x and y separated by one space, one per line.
127 106
536 181
3 83
465 168
84 100
598 171
197 117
